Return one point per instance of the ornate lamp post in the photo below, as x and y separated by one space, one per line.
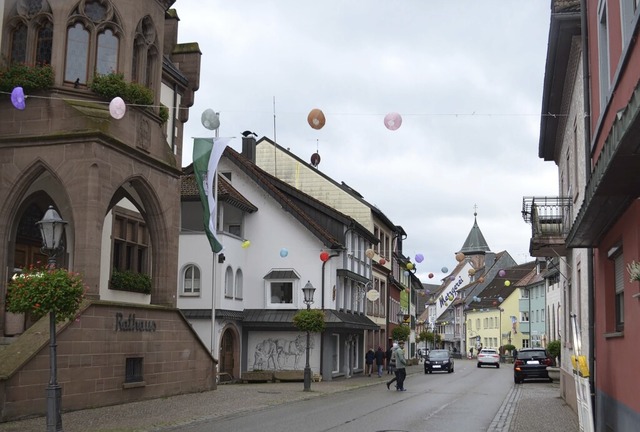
51 228
308 291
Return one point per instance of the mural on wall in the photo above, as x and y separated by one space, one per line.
286 352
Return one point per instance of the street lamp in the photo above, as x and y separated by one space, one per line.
51 228
308 291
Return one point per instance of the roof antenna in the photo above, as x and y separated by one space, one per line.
274 120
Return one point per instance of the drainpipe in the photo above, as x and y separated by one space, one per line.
322 289
587 148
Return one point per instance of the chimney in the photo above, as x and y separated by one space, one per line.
249 145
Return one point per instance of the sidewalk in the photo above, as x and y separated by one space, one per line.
536 407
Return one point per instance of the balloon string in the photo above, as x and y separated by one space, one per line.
472 114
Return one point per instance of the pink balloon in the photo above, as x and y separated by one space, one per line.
392 121
117 108
17 98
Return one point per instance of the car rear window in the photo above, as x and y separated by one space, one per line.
532 355
438 354
488 351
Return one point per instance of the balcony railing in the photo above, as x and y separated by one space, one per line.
550 219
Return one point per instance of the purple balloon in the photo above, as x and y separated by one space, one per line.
419 258
17 98
501 273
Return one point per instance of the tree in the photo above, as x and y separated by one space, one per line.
401 333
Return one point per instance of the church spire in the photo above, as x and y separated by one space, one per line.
475 244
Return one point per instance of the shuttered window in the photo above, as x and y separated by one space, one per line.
618 264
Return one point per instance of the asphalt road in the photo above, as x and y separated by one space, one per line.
467 399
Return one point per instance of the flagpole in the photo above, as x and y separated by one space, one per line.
213 270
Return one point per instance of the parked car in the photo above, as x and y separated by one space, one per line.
488 356
531 363
438 360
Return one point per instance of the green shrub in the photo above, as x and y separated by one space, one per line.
30 78
111 85
311 320
401 332
130 281
508 347
554 347
164 113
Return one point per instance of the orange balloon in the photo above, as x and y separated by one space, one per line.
316 118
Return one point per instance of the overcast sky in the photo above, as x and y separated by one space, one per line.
465 75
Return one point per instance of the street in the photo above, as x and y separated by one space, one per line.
467 399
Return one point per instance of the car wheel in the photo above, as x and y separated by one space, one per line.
516 380
498 365
478 364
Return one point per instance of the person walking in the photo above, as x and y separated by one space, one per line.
392 366
388 355
401 364
368 359
380 360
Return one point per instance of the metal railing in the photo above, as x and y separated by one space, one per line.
548 216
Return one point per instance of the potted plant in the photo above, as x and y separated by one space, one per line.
40 290
634 271
554 348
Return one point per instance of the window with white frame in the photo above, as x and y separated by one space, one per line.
238 284
281 289
191 280
228 283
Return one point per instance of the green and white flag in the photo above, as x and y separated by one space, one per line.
206 155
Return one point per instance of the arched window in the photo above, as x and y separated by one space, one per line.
77 54
228 283
145 53
107 59
238 284
191 280
19 43
93 41
31 33
44 43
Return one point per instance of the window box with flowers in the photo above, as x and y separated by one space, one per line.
40 290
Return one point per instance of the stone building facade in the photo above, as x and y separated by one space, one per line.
116 182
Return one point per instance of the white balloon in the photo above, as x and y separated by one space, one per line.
210 119
117 108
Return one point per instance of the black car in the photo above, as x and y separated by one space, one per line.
531 363
438 360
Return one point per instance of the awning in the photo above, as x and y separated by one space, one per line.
263 318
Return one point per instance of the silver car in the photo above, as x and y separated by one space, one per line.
488 356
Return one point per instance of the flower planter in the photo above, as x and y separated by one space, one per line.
554 373
13 323
257 376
